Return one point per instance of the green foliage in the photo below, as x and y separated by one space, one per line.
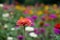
2 1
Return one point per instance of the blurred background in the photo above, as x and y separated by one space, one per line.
29 20
31 2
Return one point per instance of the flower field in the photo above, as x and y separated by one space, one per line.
18 22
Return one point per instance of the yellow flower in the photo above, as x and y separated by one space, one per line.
59 16
39 13
17 7
55 5
46 7
57 11
22 8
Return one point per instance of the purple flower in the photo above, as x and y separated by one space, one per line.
46 25
20 37
36 30
53 16
42 30
34 17
56 31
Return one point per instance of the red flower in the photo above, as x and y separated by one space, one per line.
24 22
57 26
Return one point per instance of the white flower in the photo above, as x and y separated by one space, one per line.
6 15
12 29
9 38
5 26
29 28
1 5
32 34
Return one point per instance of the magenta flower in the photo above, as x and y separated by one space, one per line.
56 31
42 30
39 30
36 30
20 37
53 16
34 17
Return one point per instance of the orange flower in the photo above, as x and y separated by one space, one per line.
46 12
30 12
24 22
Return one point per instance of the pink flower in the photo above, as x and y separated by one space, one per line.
26 12
24 22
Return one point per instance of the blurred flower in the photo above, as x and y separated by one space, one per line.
53 16
39 13
32 24
5 15
26 11
47 18
6 7
32 34
55 6
34 17
5 26
12 29
58 15
57 28
1 5
23 8
29 28
20 37
30 18
57 11
46 7
56 31
9 38
30 12
46 12
42 30
43 18
46 25
36 30
20 7
31 21
24 22
17 7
